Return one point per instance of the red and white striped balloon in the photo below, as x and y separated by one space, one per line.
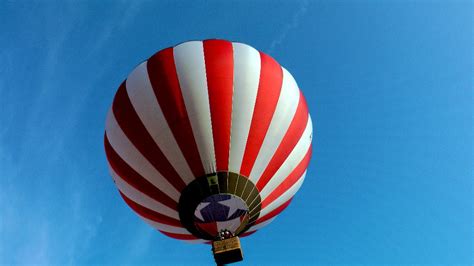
203 107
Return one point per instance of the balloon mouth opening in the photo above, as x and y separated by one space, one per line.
220 213
219 202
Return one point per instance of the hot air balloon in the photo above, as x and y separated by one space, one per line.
208 141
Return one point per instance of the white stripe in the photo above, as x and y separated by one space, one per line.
231 225
284 197
165 227
281 120
246 80
295 157
135 159
144 102
141 198
258 226
195 241
191 70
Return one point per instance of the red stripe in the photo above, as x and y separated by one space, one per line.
210 228
164 79
130 123
289 181
134 179
273 213
179 236
288 143
247 233
219 60
150 214
269 88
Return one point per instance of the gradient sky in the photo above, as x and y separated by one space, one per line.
390 89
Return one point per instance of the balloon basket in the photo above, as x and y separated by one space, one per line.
227 250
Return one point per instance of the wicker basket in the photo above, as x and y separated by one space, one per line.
227 250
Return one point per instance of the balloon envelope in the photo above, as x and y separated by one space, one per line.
208 136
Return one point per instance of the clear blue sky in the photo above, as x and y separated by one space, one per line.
390 90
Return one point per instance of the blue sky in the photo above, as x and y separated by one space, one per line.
390 89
